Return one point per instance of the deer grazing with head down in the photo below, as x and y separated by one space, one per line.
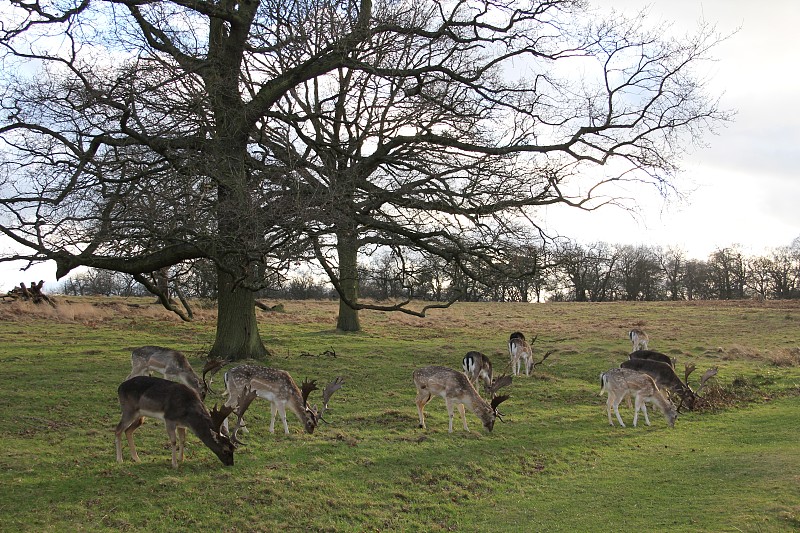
477 367
180 407
665 377
621 382
639 339
173 365
457 390
277 387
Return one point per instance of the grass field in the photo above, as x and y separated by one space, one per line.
553 465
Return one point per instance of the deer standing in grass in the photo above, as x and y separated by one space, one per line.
477 367
665 377
277 387
180 407
457 390
521 353
172 364
639 339
621 382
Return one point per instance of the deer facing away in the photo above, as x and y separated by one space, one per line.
639 339
277 387
521 353
621 382
172 364
179 406
477 367
456 390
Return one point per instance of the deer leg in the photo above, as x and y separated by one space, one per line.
282 412
616 411
449 406
171 426
181 443
273 408
422 399
463 416
643 407
129 434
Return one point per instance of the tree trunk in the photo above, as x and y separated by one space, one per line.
347 248
237 329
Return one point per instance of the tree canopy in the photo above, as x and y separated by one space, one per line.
141 136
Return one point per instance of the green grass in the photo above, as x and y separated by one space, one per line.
554 465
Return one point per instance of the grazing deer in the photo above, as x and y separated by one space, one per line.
179 406
639 339
172 364
665 376
278 387
477 366
456 389
652 356
621 382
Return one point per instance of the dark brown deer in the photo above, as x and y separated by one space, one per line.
180 407
665 377
652 356
457 390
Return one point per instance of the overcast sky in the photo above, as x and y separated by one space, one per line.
745 186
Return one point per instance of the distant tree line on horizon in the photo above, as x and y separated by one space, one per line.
565 271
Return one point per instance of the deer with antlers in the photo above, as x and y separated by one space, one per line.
180 407
622 382
173 365
457 390
666 377
278 387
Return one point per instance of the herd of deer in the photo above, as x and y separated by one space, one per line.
178 398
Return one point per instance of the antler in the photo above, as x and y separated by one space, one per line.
497 400
330 388
708 374
218 416
497 384
246 397
306 389
543 358
213 366
688 369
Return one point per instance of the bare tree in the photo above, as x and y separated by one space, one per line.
150 135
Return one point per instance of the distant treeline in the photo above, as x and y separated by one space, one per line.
598 272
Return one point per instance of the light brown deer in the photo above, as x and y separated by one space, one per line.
639 339
665 377
180 407
172 364
457 390
521 353
621 382
278 387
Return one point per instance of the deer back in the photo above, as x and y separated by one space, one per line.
652 356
